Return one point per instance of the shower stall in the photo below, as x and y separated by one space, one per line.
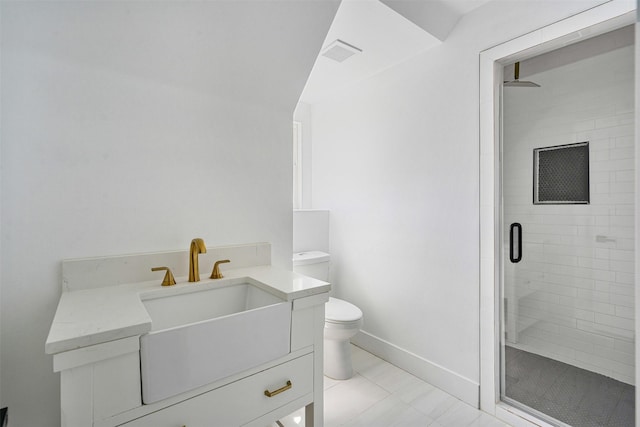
567 297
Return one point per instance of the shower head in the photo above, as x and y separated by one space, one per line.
516 82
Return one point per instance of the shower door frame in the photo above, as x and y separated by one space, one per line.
600 19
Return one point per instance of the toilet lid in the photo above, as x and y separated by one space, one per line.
310 257
337 310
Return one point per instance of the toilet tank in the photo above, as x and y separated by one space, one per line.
313 264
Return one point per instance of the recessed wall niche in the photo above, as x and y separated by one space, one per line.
561 174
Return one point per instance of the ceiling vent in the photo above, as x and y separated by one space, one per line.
339 50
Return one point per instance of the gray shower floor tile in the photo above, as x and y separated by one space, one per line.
569 394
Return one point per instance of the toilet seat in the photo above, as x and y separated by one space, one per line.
339 311
343 325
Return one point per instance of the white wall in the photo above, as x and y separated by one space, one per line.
310 230
571 296
302 114
132 127
395 160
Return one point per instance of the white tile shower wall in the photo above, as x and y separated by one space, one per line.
574 288
310 230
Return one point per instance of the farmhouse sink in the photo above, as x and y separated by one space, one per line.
204 333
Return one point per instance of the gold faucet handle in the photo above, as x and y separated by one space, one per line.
168 278
215 274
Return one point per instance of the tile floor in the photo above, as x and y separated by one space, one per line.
567 393
382 395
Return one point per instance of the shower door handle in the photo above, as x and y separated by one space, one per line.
515 242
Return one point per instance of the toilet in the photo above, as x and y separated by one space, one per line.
342 319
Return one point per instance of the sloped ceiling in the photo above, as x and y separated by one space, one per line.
437 17
388 32
248 51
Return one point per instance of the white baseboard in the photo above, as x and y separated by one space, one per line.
456 385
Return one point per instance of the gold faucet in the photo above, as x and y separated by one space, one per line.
215 274
197 247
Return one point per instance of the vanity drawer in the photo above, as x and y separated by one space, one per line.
239 402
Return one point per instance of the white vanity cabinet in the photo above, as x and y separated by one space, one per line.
101 386
99 361
242 401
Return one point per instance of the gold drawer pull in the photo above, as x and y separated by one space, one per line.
278 391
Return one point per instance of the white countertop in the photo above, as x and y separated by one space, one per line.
94 316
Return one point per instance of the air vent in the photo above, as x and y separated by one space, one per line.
339 50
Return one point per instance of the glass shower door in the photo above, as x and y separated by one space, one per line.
567 339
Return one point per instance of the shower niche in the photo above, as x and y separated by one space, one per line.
561 174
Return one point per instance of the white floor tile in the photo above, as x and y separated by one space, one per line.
486 420
389 377
364 361
390 412
382 395
435 403
345 401
413 389
460 414
330 382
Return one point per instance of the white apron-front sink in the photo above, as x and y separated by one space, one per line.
199 335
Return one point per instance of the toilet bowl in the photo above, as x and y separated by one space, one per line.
342 319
